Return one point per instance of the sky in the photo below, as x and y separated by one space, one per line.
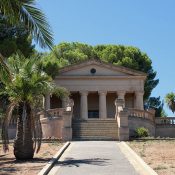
146 24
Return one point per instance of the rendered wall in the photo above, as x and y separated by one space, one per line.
11 131
165 131
136 122
52 128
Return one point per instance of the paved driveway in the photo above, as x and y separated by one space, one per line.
93 158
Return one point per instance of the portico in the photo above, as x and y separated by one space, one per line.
100 104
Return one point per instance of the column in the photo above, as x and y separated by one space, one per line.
139 100
84 105
121 95
102 105
64 102
47 102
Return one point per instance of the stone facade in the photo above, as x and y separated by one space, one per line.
94 88
95 92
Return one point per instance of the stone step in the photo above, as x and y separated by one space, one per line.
97 138
95 133
94 121
95 129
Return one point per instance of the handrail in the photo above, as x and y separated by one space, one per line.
165 121
141 114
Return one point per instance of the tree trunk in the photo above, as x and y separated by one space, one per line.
23 144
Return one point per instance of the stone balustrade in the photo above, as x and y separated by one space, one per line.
57 112
165 121
142 114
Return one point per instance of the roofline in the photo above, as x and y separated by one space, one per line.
104 64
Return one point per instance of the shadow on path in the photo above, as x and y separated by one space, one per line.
70 162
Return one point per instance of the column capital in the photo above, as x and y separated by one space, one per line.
101 92
83 92
121 94
139 93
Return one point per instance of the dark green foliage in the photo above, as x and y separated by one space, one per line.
50 65
71 53
131 57
34 20
170 100
142 132
14 38
157 104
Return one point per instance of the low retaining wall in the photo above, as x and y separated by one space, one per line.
136 122
52 128
57 123
165 131
11 131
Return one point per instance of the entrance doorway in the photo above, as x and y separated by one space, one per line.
93 113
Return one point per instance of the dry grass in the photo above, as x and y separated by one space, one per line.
10 166
159 154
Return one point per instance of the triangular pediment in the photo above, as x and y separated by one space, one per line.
98 68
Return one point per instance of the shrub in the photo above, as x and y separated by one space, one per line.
142 132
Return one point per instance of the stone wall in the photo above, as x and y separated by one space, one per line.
165 131
11 131
52 128
136 122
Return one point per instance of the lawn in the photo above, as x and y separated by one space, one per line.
159 154
10 166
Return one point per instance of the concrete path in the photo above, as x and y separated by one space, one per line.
93 158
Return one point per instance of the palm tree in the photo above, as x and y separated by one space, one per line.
25 90
34 20
170 100
24 11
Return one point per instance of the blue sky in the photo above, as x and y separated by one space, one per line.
147 24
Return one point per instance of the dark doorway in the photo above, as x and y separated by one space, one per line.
93 113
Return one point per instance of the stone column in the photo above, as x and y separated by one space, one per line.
84 105
139 100
64 102
47 102
102 105
121 96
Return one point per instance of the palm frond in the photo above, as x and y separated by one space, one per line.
170 100
4 70
23 11
7 118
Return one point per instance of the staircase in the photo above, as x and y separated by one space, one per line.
95 129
